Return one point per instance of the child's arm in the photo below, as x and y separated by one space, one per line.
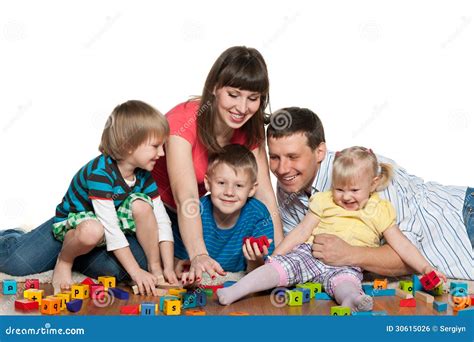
298 235
408 252
252 253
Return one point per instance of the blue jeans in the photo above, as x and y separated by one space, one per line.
468 214
37 251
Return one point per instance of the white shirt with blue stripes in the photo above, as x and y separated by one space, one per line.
428 213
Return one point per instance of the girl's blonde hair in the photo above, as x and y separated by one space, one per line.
354 161
130 125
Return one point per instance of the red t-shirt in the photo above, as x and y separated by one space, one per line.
183 123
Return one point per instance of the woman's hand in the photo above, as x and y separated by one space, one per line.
203 263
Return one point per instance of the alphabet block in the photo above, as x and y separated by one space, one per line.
313 287
189 300
201 299
430 280
148 309
172 307
162 301
380 284
177 292
295 298
458 287
31 284
340 311
50 306
406 286
62 302
74 305
34 294
79 291
9 287
26 305
107 281
306 294
97 291
66 295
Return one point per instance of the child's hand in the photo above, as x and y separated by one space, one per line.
146 282
252 252
440 275
170 276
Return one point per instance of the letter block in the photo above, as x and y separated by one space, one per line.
189 300
380 284
66 295
162 301
295 298
50 306
62 302
340 311
195 312
177 292
9 287
313 287
406 286
107 281
79 291
26 304
97 291
32 284
306 294
148 309
172 307
201 299
34 294
430 280
440 306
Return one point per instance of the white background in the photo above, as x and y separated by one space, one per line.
394 76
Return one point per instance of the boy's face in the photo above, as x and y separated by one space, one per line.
229 188
293 162
146 155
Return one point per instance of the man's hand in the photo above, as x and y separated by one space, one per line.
332 250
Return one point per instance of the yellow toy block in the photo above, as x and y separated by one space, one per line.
313 288
295 298
107 281
172 307
177 292
79 291
34 294
50 306
62 301
380 284
65 295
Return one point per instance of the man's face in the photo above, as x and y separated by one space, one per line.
293 162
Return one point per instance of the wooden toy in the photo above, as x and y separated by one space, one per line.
62 302
208 292
260 241
177 292
79 291
9 287
50 306
229 283
440 306
306 294
402 294
383 292
26 304
408 303
107 281
172 307
368 288
430 280
437 291
31 284
466 312
417 286
135 289
406 286
88 281
201 299
34 294
119 294
74 305
214 288
424 297
295 298
189 300
239 313
340 311
160 292
195 312
148 309
130 309
313 287
460 303
97 291
380 284
322 296
458 287
162 301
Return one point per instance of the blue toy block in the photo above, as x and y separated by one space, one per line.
74 305
383 293
201 299
440 306
120 294
148 309
322 296
9 287
379 313
417 286
306 294
466 312
189 300
458 287
362 313
162 301
229 283
367 288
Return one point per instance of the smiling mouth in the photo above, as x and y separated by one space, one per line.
288 179
237 117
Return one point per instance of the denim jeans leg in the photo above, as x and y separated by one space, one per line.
29 253
468 214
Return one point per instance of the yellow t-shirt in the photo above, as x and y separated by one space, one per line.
363 227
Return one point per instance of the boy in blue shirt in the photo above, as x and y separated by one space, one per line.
230 213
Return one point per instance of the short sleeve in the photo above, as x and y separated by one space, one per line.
182 120
264 226
385 217
317 203
149 186
100 185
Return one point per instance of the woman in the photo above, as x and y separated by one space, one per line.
230 110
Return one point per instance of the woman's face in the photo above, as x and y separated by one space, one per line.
236 106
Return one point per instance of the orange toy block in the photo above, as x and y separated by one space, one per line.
239 313
461 303
195 312
380 284
50 306
172 307
62 301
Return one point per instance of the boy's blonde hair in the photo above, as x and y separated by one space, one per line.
237 157
356 160
130 125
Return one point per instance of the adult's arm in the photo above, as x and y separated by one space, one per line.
382 260
184 187
266 194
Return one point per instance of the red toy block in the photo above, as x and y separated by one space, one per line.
32 284
26 304
261 241
408 303
130 309
214 288
88 281
97 291
430 281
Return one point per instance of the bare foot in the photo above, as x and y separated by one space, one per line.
62 275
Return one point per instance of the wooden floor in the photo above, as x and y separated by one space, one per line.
258 304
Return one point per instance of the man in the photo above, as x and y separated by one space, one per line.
429 214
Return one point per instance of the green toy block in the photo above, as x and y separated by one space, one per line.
313 287
306 293
406 285
208 292
295 298
340 311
